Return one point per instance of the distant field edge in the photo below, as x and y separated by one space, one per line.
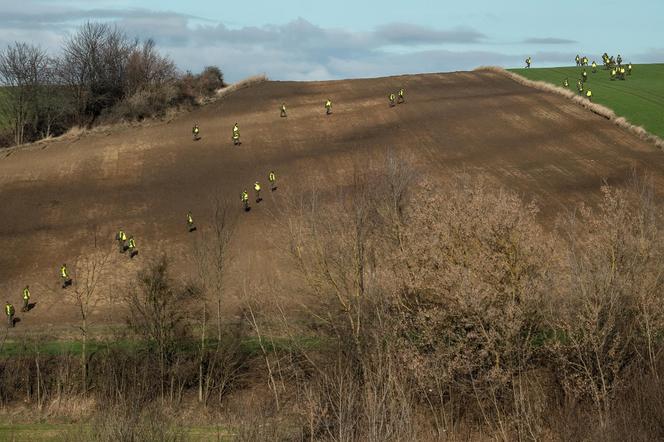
598 109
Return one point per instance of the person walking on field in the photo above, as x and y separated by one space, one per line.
578 60
328 107
9 311
190 222
528 61
594 66
392 99
131 247
272 178
245 200
121 238
195 131
257 190
566 83
236 135
584 75
64 274
283 110
589 95
26 299
400 96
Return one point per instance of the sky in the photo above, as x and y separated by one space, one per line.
333 39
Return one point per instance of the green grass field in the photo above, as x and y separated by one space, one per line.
640 98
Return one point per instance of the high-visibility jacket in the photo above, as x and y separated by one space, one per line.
257 187
566 83
585 74
589 94
26 293
613 72
132 243
245 196
328 104
63 272
190 220
622 70
236 132
195 129
401 92
9 309
283 108
272 177
594 65
122 236
392 97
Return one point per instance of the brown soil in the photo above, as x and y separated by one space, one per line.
145 179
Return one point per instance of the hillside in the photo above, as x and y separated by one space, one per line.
63 198
640 98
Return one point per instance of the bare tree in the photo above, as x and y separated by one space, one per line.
212 256
91 271
93 67
23 71
331 248
147 68
159 312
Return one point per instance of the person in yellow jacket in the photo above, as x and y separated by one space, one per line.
400 96
9 311
283 110
528 61
392 99
64 274
121 238
578 60
194 131
589 95
594 66
257 191
584 76
613 74
328 106
190 222
629 69
131 247
245 200
566 83
26 298
622 72
236 135
272 178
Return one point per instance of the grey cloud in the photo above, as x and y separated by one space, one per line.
409 34
549 41
298 50
653 55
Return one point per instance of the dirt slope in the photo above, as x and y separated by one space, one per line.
55 196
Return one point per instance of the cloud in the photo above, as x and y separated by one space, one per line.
548 41
409 34
297 50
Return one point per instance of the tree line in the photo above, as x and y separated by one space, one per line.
100 74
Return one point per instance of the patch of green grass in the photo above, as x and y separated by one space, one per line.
640 98
47 432
249 346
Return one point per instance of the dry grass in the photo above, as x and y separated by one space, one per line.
598 109
247 82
